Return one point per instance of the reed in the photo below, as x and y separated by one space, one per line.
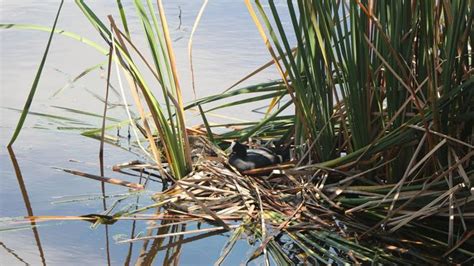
382 133
169 120
382 93
363 70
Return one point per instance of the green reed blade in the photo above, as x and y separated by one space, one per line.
29 100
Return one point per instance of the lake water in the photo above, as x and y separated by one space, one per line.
227 46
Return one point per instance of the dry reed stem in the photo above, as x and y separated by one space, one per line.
113 181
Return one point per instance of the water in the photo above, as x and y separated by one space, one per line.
226 47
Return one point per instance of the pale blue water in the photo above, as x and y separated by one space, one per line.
226 47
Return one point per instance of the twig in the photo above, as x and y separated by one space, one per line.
113 181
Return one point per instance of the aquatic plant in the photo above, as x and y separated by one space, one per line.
170 127
382 93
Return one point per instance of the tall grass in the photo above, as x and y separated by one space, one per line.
382 127
363 71
168 120
383 98
31 95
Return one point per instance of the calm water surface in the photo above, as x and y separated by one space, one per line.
226 47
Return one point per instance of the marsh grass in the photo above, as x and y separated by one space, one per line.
381 136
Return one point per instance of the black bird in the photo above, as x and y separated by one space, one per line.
243 158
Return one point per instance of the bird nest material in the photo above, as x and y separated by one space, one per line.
324 222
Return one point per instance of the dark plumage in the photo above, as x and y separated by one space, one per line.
243 158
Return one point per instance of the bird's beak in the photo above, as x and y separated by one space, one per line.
231 148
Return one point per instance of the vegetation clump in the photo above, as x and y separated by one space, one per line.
381 133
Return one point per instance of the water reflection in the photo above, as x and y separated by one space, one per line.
166 235
13 253
26 199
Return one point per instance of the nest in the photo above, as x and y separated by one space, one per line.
297 205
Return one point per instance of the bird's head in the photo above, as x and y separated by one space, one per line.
238 149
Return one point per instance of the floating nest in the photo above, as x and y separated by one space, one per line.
307 214
304 218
